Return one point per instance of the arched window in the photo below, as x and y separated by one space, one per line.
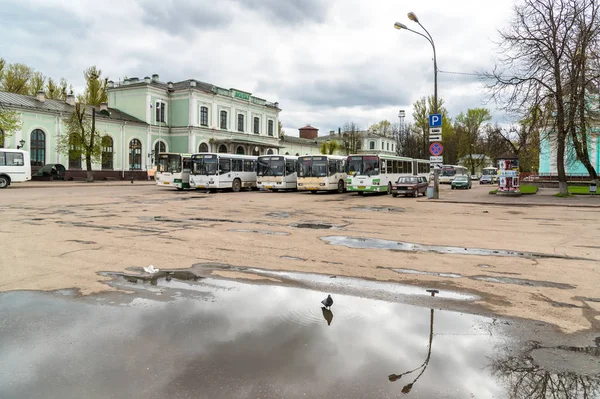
287 153
223 149
2 138
37 147
107 153
256 152
223 124
203 147
240 150
372 145
297 154
159 147
74 156
270 152
135 155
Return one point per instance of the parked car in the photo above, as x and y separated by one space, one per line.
461 182
486 179
413 185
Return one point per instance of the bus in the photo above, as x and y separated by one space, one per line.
449 172
214 171
322 173
276 172
491 174
15 167
375 173
173 170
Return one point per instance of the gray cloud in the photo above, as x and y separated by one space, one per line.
181 16
290 11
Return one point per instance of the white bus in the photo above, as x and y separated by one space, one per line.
322 173
173 170
420 167
276 172
15 167
223 171
375 173
449 172
491 174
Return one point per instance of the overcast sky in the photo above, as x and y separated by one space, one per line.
326 61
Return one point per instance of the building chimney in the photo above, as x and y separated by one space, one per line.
308 132
104 107
155 78
276 105
41 96
125 82
111 84
147 80
170 85
192 83
133 80
70 99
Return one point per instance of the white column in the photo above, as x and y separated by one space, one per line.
148 109
147 150
193 111
214 111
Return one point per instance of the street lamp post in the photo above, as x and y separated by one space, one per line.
413 17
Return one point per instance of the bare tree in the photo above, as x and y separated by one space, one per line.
533 69
351 138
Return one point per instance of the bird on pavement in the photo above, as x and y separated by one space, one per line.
327 302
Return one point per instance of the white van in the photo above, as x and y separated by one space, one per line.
15 167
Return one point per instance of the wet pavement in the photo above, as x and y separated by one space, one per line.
180 336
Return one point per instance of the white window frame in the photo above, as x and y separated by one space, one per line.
163 105
207 115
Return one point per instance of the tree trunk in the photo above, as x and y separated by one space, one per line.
88 152
88 165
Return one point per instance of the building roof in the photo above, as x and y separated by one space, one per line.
58 106
298 140
308 127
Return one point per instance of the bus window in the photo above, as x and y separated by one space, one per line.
224 166
390 165
332 167
236 165
340 166
371 165
248 165
290 167
187 164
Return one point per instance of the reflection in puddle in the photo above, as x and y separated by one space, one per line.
275 233
313 226
293 258
375 243
378 209
411 271
520 281
364 286
243 341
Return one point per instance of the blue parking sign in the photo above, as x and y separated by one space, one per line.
435 120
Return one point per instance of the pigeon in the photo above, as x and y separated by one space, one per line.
327 302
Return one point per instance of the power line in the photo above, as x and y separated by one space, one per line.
462 73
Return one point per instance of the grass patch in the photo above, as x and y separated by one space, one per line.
579 190
494 191
525 190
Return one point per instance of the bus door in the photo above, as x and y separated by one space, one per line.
225 174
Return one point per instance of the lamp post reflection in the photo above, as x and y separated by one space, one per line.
395 377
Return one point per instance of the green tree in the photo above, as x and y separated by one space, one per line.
57 91
419 142
10 122
329 147
2 66
81 138
15 78
36 83
95 90
469 135
383 128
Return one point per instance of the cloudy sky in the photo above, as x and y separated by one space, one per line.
326 61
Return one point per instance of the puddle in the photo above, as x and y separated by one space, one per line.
520 281
378 209
380 289
317 226
82 242
267 232
375 243
281 215
411 271
225 339
116 227
293 258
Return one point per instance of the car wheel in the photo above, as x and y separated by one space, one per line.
4 182
416 193
395 195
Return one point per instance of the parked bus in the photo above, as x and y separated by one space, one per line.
223 171
491 174
173 170
375 173
15 167
449 172
322 173
276 172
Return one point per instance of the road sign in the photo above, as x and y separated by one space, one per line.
436 165
438 159
435 137
435 130
435 120
436 149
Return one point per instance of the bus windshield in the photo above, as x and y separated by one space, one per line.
489 172
271 166
169 163
448 172
363 165
312 167
204 165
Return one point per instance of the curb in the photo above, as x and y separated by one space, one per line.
80 184
512 204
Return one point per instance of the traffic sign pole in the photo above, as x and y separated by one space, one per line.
435 131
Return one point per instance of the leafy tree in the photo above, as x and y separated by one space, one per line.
57 91
36 83
81 138
383 128
95 91
329 147
468 127
419 145
15 78
10 122
351 138
280 131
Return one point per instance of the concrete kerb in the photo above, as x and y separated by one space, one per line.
61 184
530 204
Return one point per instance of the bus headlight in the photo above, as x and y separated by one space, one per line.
322 184
300 184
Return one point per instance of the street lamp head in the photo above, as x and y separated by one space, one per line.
400 26
413 17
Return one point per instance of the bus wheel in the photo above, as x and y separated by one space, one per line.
274 190
236 186
4 181
179 189
389 188
313 191
361 193
340 187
